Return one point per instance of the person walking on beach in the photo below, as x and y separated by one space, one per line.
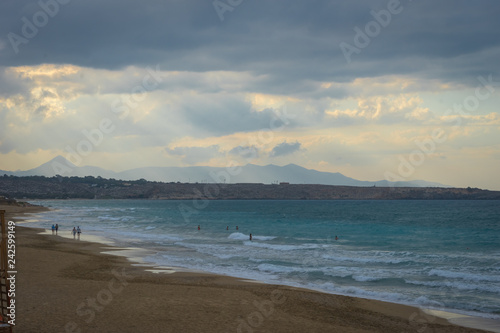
57 228
53 229
78 231
74 232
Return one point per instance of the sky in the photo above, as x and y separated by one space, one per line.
395 90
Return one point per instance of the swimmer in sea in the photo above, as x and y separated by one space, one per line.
250 236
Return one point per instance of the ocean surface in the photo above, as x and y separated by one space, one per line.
442 255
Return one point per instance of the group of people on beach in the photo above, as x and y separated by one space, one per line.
75 231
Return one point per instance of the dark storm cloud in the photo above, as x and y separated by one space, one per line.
247 152
285 148
291 41
224 115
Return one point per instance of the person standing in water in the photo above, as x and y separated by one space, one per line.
250 236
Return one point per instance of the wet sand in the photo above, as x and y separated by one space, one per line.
65 285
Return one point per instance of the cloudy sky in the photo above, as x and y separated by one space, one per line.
396 90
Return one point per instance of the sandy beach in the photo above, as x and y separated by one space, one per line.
65 285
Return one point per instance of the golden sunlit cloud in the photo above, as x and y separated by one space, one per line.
394 108
264 101
45 70
376 120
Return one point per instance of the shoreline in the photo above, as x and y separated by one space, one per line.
237 299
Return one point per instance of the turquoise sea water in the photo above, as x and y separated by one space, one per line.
437 254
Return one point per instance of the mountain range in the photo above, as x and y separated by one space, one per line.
249 173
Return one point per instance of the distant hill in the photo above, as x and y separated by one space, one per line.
88 187
249 173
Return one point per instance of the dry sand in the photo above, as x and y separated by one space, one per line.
65 285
